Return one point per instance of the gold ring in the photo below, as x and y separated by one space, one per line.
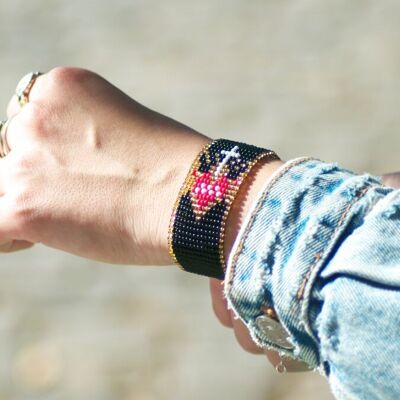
4 147
24 87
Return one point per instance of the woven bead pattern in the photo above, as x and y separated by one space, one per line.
197 224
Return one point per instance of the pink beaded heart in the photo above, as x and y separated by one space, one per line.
206 191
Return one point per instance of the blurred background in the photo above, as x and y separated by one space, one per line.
304 77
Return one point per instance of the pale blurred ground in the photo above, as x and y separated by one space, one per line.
304 77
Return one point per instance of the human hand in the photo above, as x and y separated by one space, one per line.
91 171
94 173
228 319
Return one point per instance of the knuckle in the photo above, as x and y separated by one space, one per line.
35 117
28 112
62 75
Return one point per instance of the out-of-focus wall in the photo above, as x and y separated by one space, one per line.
305 77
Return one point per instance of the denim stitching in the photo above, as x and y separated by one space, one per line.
284 170
318 256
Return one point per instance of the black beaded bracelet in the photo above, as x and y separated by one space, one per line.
197 227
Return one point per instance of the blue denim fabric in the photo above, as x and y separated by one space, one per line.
321 246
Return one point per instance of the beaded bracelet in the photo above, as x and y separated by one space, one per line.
197 226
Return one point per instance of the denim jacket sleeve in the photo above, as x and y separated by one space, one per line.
315 275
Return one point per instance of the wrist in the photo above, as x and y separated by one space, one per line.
153 187
245 199
224 179
190 146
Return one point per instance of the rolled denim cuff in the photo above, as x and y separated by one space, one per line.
291 233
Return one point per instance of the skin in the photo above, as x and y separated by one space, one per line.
94 173
81 173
